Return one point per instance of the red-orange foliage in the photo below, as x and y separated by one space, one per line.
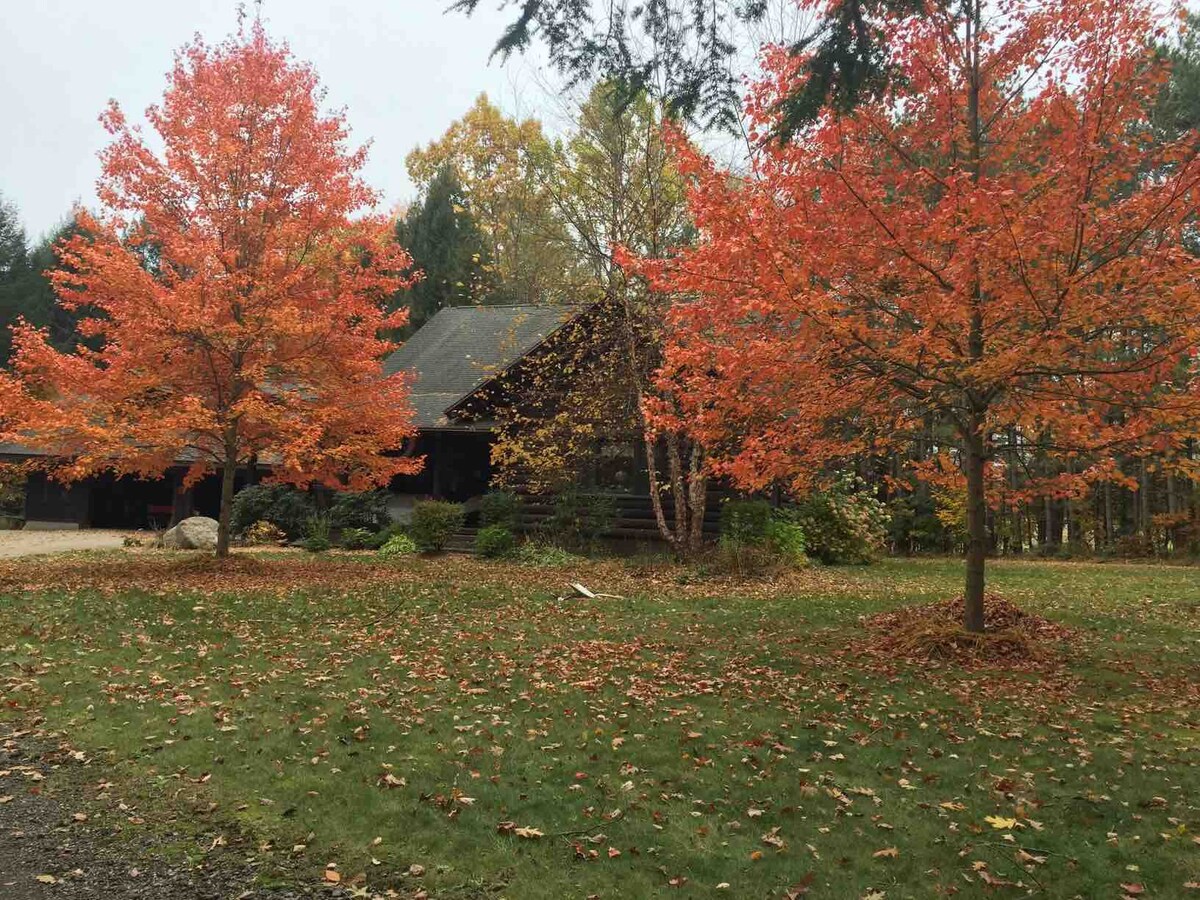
995 242
234 297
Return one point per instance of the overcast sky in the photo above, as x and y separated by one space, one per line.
403 69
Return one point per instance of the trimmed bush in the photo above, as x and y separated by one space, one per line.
433 521
500 508
494 541
367 511
398 545
280 504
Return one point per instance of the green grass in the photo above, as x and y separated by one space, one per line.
702 734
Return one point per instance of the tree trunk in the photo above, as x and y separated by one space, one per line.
689 491
976 527
1145 514
1172 508
1108 514
697 499
973 445
228 473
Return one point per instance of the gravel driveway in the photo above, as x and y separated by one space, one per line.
61 839
32 543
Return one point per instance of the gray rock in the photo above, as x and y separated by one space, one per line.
196 533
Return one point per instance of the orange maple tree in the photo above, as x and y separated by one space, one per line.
232 294
995 242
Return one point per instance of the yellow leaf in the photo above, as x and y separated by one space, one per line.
1000 822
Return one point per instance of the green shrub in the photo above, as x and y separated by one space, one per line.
398 545
12 492
358 539
745 523
494 541
382 537
547 555
500 508
316 534
262 532
757 539
580 520
786 538
285 507
433 521
367 511
844 524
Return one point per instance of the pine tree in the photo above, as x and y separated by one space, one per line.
445 243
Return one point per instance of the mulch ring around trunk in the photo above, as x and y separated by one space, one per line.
1013 637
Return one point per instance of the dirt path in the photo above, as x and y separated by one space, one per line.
58 840
32 543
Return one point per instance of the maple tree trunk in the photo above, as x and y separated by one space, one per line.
224 516
976 530
228 473
974 443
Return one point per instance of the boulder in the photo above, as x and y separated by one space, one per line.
196 533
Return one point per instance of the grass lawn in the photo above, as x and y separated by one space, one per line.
690 739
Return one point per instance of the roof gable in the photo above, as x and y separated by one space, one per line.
463 347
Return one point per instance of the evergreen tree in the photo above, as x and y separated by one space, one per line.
687 51
446 245
15 276
40 304
1178 108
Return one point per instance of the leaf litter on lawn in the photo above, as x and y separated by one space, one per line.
705 739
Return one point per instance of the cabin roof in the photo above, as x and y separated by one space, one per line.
462 348
451 356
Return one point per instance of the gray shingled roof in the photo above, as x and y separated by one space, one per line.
9 450
462 347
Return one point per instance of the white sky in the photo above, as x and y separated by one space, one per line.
403 69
